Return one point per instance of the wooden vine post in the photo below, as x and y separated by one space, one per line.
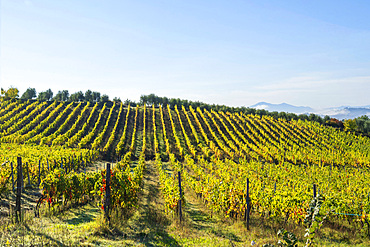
39 180
314 190
19 190
180 189
11 166
248 209
107 193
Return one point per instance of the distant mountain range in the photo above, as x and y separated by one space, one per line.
341 112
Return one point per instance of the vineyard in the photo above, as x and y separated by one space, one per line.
216 154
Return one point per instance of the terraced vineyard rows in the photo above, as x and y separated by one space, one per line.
110 127
216 152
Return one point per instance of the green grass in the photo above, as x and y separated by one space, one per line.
149 225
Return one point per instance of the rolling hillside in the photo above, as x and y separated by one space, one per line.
230 162
109 128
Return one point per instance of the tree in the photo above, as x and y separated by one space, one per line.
11 93
89 96
172 102
62 96
250 111
78 96
96 96
274 114
334 123
263 112
29 94
291 116
45 96
350 125
117 99
164 101
151 99
143 99
326 119
311 117
130 102
363 124
303 117
185 103
367 127
104 98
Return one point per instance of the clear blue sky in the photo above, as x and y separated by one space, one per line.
312 53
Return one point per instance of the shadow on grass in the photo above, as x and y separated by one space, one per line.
147 226
201 220
225 234
153 221
46 236
85 216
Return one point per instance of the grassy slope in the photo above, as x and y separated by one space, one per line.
149 225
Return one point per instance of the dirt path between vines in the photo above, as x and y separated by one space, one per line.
151 226
149 222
